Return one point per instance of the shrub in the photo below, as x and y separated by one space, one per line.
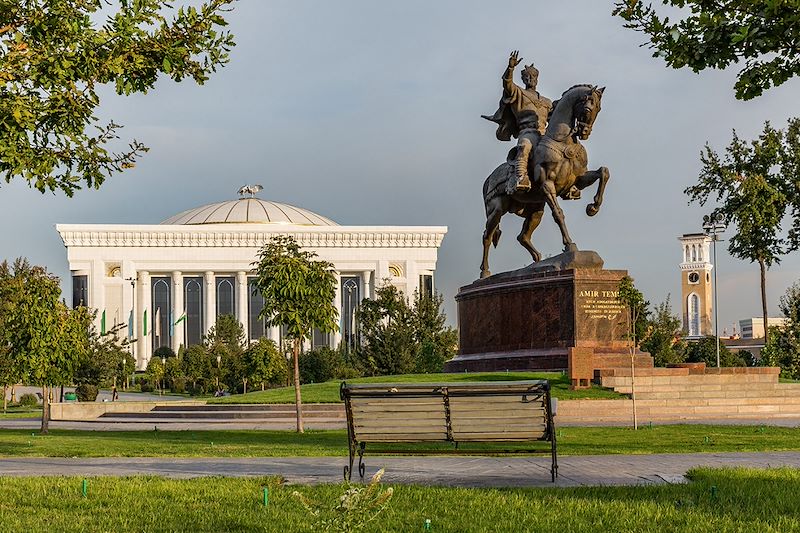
86 392
179 385
317 366
164 351
145 385
28 400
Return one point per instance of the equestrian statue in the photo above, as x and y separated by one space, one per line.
548 163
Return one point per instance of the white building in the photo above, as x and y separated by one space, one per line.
198 264
753 328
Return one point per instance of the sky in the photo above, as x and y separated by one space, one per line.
369 113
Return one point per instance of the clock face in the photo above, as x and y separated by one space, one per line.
694 277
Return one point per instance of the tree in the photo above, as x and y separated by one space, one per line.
436 341
704 350
196 365
763 33
636 311
783 347
754 186
265 364
298 293
54 55
663 337
45 337
226 340
387 332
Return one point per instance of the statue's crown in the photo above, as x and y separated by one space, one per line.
532 71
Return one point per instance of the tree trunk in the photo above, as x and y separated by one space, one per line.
45 409
297 400
244 386
5 400
14 393
763 269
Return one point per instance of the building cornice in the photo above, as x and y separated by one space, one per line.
246 236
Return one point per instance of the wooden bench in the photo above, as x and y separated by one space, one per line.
500 411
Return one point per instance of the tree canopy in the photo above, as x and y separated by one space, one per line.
55 55
716 34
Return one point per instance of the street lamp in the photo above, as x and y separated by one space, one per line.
713 225
163 373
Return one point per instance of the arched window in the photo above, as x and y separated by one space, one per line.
226 297
255 303
351 297
694 252
693 306
193 302
686 256
162 307
700 252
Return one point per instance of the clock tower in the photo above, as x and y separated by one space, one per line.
696 287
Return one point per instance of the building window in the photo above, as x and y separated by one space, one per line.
193 302
226 296
351 296
320 339
426 285
694 315
162 313
80 291
255 305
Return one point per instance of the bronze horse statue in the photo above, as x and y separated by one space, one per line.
559 164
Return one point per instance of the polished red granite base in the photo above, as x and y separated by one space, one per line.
539 320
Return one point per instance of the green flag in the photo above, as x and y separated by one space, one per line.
103 323
144 323
181 318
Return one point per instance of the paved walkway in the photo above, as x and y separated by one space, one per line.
447 471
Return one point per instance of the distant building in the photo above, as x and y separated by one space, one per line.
753 328
696 287
166 284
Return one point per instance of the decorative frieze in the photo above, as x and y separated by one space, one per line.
194 237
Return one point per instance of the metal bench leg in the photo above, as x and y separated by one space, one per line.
361 466
348 470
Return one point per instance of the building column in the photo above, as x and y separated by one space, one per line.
241 303
337 303
274 334
412 280
366 278
210 299
144 344
96 293
177 311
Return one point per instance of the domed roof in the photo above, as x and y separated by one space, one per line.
249 211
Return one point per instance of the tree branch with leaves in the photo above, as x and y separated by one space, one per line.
53 58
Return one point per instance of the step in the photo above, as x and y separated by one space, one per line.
226 407
224 415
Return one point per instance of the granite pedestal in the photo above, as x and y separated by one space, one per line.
558 314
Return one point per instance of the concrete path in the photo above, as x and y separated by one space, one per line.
446 471
101 424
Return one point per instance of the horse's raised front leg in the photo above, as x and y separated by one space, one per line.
494 212
550 196
587 179
533 217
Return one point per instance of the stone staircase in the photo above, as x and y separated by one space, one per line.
323 415
696 393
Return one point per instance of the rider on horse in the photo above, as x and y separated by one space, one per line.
523 114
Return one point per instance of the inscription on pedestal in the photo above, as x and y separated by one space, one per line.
599 304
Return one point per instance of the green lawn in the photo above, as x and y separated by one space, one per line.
21 412
715 500
328 392
231 443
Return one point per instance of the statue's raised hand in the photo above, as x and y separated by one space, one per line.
514 59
